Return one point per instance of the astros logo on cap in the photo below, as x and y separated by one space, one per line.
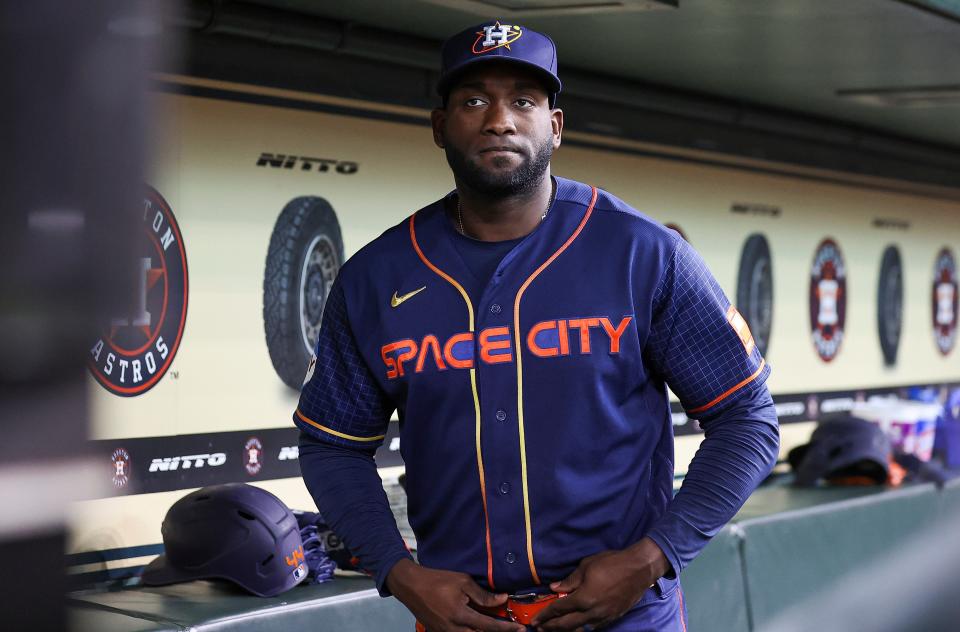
495 36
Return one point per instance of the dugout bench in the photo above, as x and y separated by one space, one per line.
783 546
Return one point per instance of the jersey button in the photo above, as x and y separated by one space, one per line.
495 308
501 415
504 488
510 558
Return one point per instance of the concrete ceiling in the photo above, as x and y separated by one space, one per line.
794 55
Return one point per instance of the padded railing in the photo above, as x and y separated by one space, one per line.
783 546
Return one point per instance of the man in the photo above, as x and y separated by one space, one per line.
526 328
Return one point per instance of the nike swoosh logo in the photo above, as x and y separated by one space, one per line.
396 300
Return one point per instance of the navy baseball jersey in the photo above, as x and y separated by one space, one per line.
534 418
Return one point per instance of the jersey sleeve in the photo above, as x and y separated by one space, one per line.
341 403
699 343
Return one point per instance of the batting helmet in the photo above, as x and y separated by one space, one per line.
235 532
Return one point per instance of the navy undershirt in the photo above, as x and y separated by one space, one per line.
480 257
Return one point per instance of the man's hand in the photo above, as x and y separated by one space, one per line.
603 587
440 600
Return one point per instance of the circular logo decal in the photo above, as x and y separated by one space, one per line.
135 349
121 467
945 301
253 456
828 299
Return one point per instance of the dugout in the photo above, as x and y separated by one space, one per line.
741 582
737 124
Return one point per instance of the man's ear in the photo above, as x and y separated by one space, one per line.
438 117
556 121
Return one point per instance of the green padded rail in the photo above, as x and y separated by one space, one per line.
774 500
713 586
343 605
790 555
715 582
781 547
89 618
950 498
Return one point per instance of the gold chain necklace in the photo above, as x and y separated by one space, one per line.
543 216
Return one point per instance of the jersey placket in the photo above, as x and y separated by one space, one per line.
501 302
497 384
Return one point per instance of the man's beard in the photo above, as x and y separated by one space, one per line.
525 177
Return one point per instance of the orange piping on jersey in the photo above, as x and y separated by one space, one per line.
334 432
731 391
683 622
516 332
473 386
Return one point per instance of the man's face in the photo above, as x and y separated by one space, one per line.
498 130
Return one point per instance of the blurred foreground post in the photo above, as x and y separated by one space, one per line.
72 122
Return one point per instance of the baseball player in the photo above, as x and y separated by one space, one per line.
526 328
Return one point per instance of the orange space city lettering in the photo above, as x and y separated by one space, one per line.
546 339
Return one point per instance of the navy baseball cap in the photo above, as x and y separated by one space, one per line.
842 446
496 41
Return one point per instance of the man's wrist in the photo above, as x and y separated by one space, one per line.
649 559
399 575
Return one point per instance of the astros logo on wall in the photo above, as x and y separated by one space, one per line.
945 301
120 460
495 36
253 456
135 349
828 299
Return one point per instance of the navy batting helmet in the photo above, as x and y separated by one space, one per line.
235 532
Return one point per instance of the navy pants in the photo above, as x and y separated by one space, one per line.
655 612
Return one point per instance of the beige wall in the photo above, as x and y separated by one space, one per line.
222 378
